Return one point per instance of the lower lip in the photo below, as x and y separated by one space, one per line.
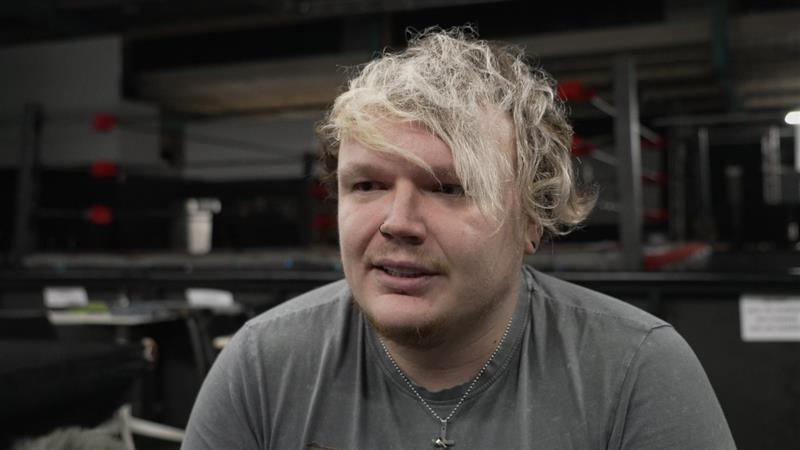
402 284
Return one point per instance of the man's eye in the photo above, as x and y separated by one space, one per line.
365 186
451 189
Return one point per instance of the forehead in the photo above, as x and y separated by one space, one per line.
406 145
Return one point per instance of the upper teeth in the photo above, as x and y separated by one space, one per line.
402 272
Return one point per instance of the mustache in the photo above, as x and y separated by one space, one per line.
417 255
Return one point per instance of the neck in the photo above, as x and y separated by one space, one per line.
457 359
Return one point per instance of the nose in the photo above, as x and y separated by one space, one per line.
403 222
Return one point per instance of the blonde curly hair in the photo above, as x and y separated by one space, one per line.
452 83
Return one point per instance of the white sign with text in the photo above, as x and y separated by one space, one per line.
770 318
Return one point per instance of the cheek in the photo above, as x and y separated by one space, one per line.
346 220
477 241
465 240
356 225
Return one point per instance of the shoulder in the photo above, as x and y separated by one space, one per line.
654 389
667 401
313 319
243 393
564 298
581 324
315 312
321 298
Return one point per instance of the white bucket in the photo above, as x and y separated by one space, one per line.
199 224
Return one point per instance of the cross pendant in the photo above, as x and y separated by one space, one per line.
442 441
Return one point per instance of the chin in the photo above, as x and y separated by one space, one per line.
407 331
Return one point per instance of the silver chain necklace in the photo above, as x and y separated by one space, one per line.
442 441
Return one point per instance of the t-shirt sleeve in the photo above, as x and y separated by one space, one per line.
229 412
666 400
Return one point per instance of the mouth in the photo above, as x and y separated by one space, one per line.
403 276
402 272
403 269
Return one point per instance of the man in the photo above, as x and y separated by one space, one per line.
450 162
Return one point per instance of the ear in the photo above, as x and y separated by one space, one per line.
533 235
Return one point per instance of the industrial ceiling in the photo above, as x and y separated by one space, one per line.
207 58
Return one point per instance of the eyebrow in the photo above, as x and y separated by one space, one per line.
355 170
445 173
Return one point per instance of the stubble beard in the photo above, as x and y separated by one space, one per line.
425 335
429 334
438 330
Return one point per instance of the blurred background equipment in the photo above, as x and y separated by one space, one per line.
159 177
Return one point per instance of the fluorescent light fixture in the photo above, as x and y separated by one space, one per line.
793 118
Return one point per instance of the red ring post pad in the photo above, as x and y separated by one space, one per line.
323 222
104 122
580 146
656 215
575 90
104 169
100 215
676 256
318 191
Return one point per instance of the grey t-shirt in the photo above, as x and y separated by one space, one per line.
578 370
